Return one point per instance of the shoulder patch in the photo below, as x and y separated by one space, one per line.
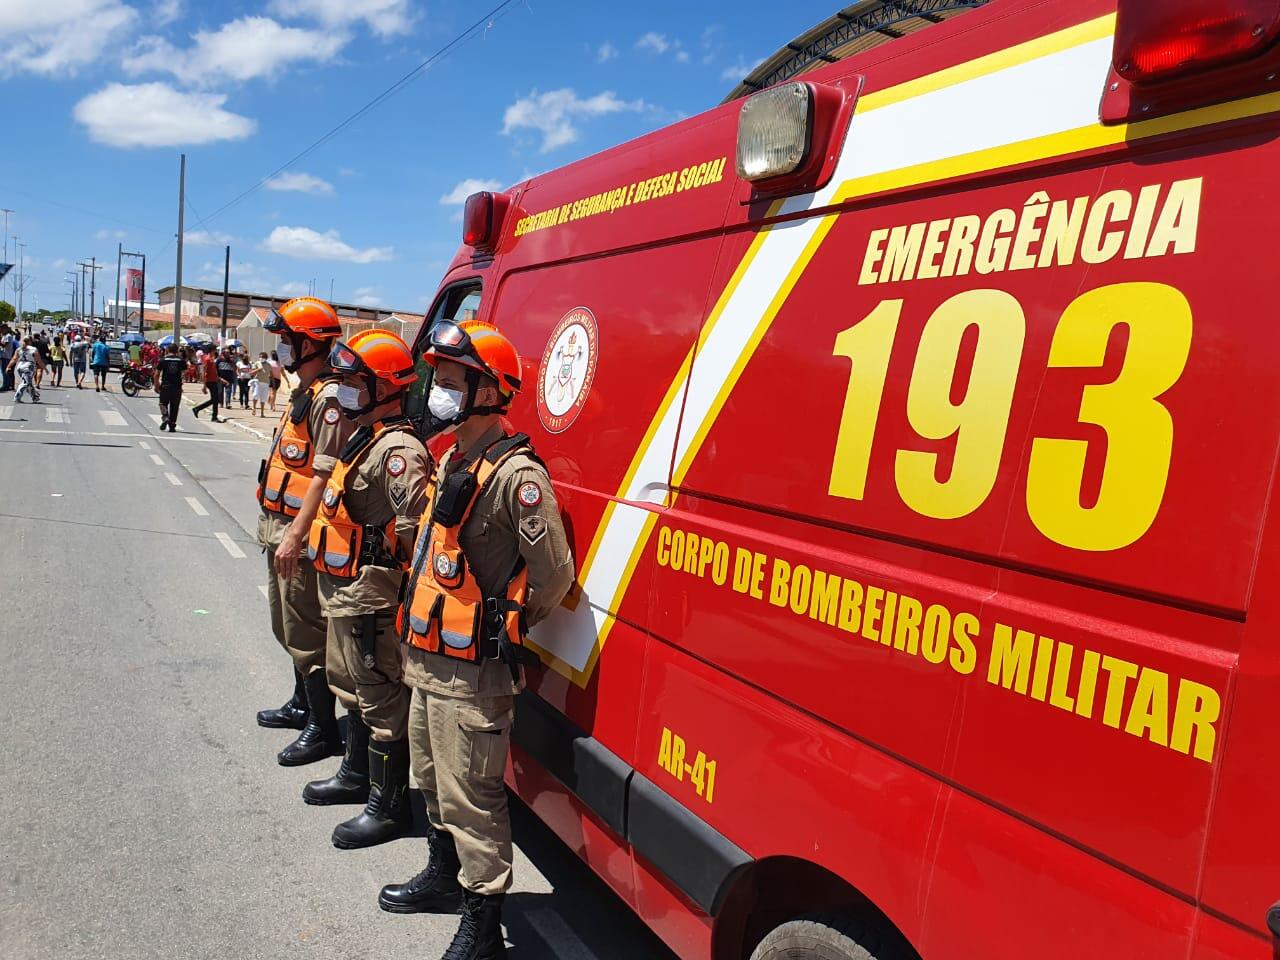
331 415
530 494
396 465
533 529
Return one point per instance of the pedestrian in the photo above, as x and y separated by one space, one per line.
210 384
79 360
101 362
360 543
41 343
27 363
8 347
226 365
490 561
57 357
244 374
304 452
168 380
274 380
261 382
135 352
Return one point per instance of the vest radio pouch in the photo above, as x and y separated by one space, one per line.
453 497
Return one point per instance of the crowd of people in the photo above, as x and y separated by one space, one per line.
405 568
26 360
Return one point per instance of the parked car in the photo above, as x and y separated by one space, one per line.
119 354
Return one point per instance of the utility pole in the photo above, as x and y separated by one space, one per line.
142 301
6 211
21 285
177 288
92 267
226 287
116 304
75 290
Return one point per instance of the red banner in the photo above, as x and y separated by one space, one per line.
133 285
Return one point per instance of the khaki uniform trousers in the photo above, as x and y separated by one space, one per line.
379 693
458 747
297 620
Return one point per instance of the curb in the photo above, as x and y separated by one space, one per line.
238 424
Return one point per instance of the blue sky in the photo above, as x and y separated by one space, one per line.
101 96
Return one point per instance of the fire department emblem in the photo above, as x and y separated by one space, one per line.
567 369
331 415
292 451
445 567
530 494
396 465
330 497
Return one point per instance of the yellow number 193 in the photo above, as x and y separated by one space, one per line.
1138 427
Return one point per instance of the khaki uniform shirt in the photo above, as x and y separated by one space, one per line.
330 431
389 481
515 516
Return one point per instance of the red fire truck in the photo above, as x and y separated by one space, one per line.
915 421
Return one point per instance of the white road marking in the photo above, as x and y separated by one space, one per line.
265 590
155 418
157 460
197 507
111 418
202 438
231 546
144 445
55 415
557 935
172 479
6 412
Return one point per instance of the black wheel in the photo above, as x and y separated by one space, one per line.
816 938
129 386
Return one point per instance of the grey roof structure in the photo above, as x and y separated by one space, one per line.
858 27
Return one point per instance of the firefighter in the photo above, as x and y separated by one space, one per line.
304 451
359 543
491 559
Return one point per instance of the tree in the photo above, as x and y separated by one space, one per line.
7 313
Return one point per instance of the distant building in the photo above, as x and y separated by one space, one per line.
204 306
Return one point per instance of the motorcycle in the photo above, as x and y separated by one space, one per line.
136 376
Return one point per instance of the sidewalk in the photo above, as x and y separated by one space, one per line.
241 419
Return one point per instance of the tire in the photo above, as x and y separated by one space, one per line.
129 386
816 938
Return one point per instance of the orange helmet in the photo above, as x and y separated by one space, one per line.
377 353
306 316
480 346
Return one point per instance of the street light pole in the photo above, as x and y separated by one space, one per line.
116 303
142 301
177 287
6 211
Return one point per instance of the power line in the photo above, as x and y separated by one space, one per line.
440 54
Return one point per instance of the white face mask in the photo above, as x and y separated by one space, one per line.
284 353
349 397
444 404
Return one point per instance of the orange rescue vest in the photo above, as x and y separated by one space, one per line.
444 611
338 544
285 475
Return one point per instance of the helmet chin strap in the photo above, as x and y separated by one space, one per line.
471 410
297 340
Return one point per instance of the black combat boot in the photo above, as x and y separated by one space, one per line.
387 815
320 738
479 935
435 889
351 783
294 713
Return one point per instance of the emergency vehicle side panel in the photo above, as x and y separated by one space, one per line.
640 339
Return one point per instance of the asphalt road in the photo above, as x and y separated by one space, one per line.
143 813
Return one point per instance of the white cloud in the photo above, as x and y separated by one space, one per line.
300 183
735 73
307 244
59 36
465 188
295 289
166 12
109 235
238 50
206 238
368 297
656 42
156 115
606 52
384 17
553 113
682 56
